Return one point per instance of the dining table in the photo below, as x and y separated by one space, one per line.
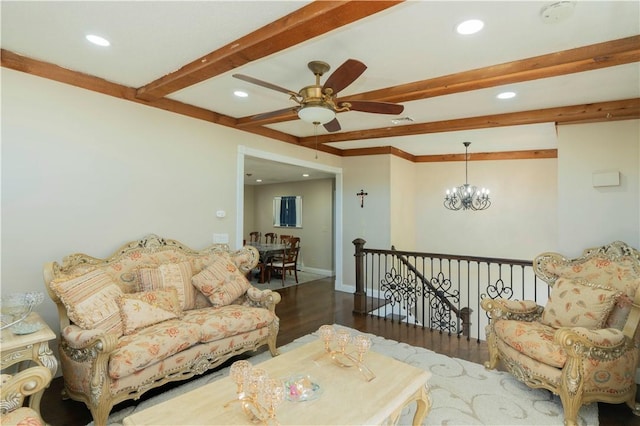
267 251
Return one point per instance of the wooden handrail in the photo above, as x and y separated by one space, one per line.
436 290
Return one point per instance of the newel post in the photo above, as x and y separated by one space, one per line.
360 296
465 316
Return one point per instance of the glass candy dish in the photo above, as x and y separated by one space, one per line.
301 387
25 327
16 307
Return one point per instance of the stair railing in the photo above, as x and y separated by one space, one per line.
439 291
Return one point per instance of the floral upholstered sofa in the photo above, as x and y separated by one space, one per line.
154 312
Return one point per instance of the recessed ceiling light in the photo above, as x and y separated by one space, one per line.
258 180
506 95
97 40
241 94
470 26
305 175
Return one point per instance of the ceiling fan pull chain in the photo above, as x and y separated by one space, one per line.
315 133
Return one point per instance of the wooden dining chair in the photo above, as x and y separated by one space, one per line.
289 242
254 237
270 237
284 238
293 242
288 263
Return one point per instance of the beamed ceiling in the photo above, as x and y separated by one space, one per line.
180 57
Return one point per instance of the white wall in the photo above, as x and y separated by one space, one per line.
590 216
248 207
85 172
403 186
522 219
316 238
371 222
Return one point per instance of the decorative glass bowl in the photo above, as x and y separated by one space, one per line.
16 307
301 387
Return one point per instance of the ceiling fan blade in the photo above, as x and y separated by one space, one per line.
376 107
274 113
332 126
344 75
264 84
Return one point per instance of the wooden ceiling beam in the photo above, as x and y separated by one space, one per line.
377 150
596 112
301 25
581 59
587 58
535 154
53 72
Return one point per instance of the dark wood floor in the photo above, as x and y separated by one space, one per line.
302 310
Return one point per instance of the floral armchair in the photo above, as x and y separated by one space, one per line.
583 345
15 388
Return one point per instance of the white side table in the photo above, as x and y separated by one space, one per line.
27 348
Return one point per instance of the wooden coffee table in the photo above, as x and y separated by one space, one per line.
346 398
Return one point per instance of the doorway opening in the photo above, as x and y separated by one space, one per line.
275 162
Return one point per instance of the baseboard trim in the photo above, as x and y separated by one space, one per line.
327 272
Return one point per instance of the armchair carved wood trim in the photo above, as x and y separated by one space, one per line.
15 388
579 362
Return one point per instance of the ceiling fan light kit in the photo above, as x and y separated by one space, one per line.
319 103
316 114
467 197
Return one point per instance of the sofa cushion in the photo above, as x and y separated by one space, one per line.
578 303
221 282
226 321
139 310
170 275
90 300
532 339
150 345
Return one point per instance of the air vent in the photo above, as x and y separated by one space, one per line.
402 120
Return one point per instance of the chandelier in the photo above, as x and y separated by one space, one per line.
467 197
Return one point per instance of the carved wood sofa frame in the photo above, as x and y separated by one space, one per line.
100 400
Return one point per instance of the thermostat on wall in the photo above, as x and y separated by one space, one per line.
221 213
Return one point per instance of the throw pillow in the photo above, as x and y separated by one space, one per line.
578 303
221 282
90 300
170 275
139 310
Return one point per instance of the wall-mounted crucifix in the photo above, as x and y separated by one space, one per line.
362 194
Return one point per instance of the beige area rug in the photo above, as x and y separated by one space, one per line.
462 393
290 280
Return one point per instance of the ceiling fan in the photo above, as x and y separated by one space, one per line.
318 104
